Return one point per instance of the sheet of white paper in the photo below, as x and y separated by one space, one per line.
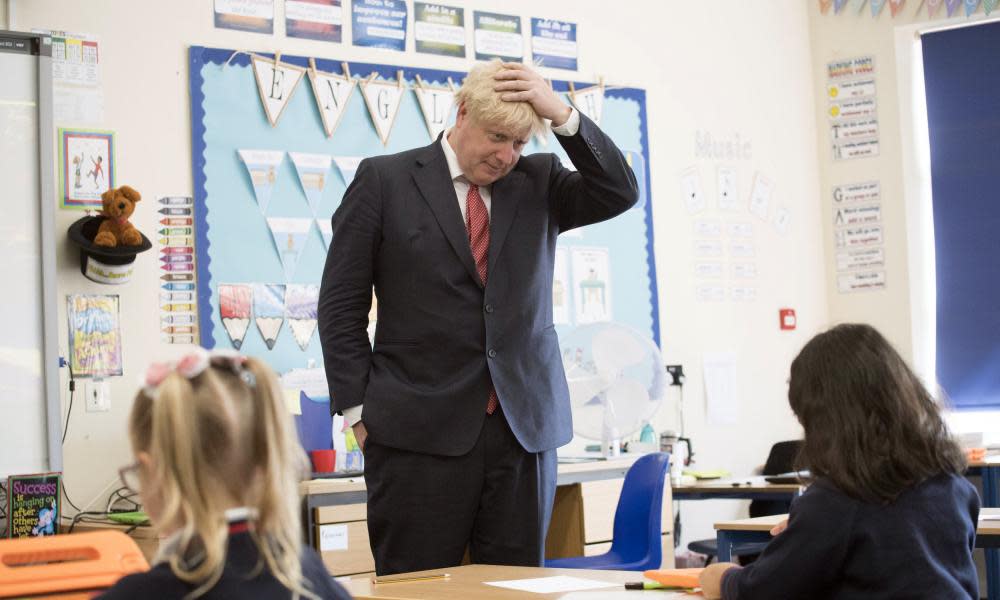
552 585
989 517
624 595
721 400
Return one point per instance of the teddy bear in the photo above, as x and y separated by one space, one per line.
115 230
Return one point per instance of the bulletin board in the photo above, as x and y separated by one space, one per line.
603 272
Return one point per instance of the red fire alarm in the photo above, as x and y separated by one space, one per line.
786 318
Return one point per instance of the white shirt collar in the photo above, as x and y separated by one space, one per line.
449 154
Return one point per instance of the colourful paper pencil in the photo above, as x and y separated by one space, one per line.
177 297
175 231
178 319
174 210
176 241
177 267
177 307
177 277
176 200
177 258
173 287
176 221
179 329
177 250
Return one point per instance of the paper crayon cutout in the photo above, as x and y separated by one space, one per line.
269 310
300 304
234 308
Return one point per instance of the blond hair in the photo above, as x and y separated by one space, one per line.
216 437
485 105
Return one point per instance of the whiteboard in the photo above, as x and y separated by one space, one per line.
29 395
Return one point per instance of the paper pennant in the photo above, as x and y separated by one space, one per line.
269 310
876 6
312 170
861 5
348 166
933 6
263 168
383 99
951 5
436 104
300 306
332 93
971 6
589 101
895 6
234 309
326 230
838 4
989 5
824 6
276 82
290 236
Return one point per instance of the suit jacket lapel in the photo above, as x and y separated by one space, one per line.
434 182
505 195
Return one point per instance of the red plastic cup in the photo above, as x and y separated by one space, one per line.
323 461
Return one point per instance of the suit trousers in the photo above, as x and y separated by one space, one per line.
424 509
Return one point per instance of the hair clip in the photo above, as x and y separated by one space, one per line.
194 364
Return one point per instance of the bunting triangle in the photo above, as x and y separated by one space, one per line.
269 310
234 309
263 168
837 5
951 5
300 306
876 6
276 82
348 166
989 5
933 6
589 101
290 236
435 104
312 170
332 93
326 231
383 99
895 6
970 7
861 5
824 6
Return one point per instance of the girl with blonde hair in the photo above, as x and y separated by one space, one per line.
218 464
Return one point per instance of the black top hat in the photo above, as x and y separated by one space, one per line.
101 263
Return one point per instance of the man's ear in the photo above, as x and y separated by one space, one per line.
130 193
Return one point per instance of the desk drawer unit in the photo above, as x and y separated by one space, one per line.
342 539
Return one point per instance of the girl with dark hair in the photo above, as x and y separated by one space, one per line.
889 514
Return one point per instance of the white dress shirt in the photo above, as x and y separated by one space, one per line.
353 414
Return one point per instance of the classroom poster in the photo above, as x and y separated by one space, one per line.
86 167
95 339
858 237
852 107
498 36
591 284
33 505
379 24
314 19
439 29
177 275
553 44
77 93
256 16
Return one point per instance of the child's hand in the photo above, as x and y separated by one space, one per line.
711 580
779 527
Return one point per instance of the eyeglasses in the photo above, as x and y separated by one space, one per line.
129 475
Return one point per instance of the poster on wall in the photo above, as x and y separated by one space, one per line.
256 16
86 167
77 93
314 19
852 108
33 505
591 284
439 29
498 36
379 24
553 44
858 237
95 339
177 297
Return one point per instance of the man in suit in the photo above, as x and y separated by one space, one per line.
461 402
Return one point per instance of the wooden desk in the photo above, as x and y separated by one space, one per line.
744 488
582 515
466 582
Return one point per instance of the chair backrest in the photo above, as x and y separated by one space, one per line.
637 519
781 459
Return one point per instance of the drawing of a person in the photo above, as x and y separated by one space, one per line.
45 526
77 165
98 169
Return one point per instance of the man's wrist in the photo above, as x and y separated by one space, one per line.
352 415
571 126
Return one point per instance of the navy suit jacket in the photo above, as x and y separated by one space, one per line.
441 336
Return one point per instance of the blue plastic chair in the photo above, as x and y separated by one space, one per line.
636 542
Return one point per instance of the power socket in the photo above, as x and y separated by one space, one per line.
98 394
676 373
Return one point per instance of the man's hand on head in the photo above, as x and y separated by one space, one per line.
519 83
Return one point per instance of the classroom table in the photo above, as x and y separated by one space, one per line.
741 533
467 582
741 488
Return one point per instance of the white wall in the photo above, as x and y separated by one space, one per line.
736 68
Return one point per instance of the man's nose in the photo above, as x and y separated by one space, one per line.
506 153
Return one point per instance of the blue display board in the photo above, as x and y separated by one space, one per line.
613 261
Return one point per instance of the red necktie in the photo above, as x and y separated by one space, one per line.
477 223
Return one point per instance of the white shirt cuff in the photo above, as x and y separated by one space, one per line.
571 126
352 415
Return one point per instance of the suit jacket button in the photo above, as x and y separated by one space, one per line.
492 353
489 308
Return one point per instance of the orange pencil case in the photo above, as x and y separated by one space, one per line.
687 578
